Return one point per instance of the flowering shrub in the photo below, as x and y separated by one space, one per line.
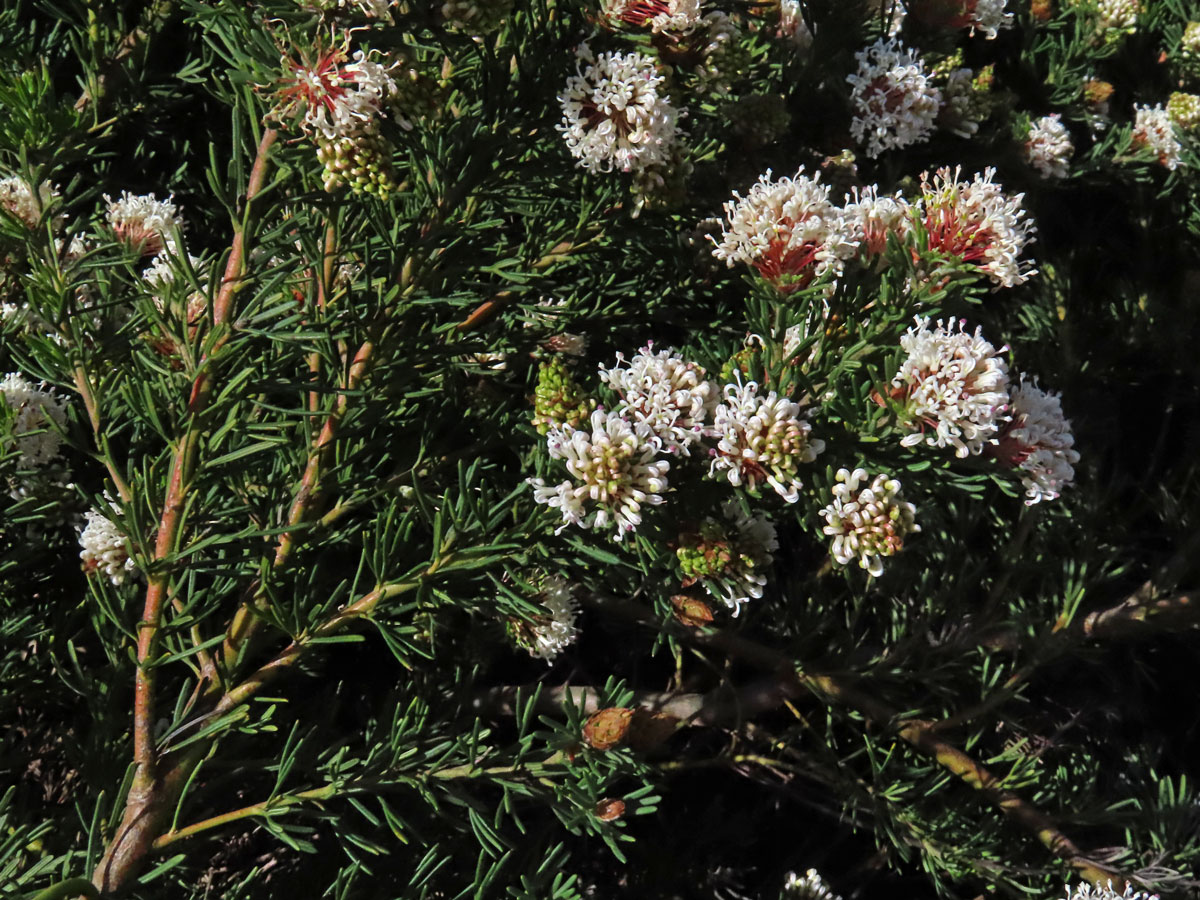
444 458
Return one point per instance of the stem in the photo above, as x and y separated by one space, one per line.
257 809
71 888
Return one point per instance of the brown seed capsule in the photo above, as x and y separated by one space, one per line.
691 611
1041 10
1097 92
607 728
609 809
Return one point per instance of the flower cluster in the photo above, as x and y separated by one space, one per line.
615 471
1048 147
39 417
977 222
895 102
1118 16
1154 131
730 559
761 440
1038 442
144 223
1184 110
104 548
986 16
809 887
1085 891
18 200
788 230
870 218
953 387
616 113
546 636
658 15
664 392
870 523
162 273
792 26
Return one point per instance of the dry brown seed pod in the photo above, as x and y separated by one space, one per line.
691 611
610 808
607 728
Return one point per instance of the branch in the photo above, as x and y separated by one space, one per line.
917 734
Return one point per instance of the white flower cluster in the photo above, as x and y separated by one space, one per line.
870 523
1189 44
143 222
809 887
616 113
40 414
746 576
1153 129
870 218
788 230
162 273
895 102
660 15
988 16
104 549
615 471
1048 148
664 392
978 223
953 386
761 440
547 636
1119 15
1039 443
340 100
1084 891
17 198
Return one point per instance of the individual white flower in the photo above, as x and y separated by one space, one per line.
809 887
40 414
761 440
787 230
1048 147
660 15
338 98
143 222
17 198
666 393
731 558
104 548
978 223
871 218
615 473
1153 129
546 636
868 524
792 26
1038 442
616 113
895 103
953 387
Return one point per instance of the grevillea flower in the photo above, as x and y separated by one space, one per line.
761 440
1154 131
731 558
143 222
1048 147
666 393
978 223
616 113
1085 891
867 523
895 103
659 15
1039 443
104 548
871 218
614 470
787 230
987 16
17 198
809 887
338 98
546 636
953 387
39 416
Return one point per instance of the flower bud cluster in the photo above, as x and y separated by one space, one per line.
867 523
